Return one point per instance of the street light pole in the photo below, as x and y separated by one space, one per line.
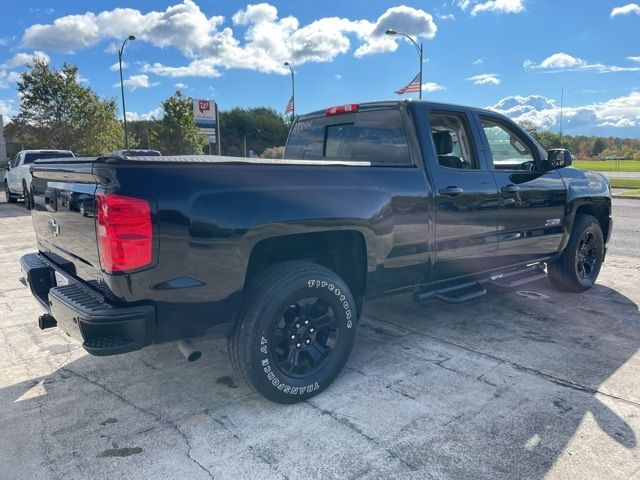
418 48
124 110
293 89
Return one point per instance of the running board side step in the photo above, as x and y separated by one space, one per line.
462 292
453 294
518 277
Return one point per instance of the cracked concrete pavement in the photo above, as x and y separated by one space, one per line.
506 386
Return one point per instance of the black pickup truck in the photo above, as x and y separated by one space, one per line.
278 255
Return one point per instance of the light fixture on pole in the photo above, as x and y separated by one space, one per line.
124 110
418 48
293 90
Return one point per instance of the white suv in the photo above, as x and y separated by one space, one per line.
17 178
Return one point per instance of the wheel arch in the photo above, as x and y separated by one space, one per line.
342 251
598 207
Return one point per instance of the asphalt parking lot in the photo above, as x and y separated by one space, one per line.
511 385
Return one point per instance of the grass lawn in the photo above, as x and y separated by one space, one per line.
609 165
625 182
632 193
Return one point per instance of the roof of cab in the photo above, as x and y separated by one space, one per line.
384 104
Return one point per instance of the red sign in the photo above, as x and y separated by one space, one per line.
204 106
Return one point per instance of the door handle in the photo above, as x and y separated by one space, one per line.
451 191
509 189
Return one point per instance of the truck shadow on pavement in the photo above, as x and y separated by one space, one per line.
506 386
12 209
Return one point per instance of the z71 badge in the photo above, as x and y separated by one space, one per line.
552 222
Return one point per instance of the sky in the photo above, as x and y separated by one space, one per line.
515 56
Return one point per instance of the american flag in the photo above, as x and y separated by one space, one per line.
289 108
414 86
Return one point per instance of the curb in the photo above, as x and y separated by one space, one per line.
633 197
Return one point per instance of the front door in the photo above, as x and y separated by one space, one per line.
531 200
466 196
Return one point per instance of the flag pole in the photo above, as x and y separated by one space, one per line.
420 90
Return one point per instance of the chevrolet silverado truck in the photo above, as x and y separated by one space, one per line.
17 178
278 256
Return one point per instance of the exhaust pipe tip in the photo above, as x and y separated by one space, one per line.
188 351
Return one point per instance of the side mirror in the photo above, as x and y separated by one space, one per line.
559 158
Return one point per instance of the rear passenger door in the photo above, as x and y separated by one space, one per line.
531 200
383 141
466 196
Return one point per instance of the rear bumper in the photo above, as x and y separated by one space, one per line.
103 329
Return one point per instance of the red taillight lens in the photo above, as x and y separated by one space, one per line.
125 233
349 108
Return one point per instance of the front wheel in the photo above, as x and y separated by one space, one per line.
27 196
295 331
578 267
11 198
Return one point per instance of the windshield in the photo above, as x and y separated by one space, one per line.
32 157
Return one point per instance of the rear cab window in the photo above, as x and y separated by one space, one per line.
372 136
452 140
32 157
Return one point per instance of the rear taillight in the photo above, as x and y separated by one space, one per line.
349 108
125 233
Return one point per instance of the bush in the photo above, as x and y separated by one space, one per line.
273 152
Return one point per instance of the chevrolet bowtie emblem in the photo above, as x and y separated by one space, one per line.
54 227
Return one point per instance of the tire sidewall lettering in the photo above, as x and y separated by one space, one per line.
273 379
341 297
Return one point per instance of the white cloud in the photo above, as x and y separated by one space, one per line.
181 86
485 79
7 109
564 62
136 81
617 122
479 61
634 59
448 16
616 113
116 66
21 59
264 42
626 9
561 60
432 87
499 6
337 76
197 68
154 114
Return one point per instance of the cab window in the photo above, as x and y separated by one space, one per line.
452 141
509 150
377 137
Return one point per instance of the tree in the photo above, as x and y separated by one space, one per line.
529 127
262 127
56 111
599 144
176 133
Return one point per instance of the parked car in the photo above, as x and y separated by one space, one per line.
17 178
279 255
134 153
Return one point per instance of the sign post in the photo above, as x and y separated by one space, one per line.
206 114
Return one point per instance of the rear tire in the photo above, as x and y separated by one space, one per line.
578 268
11 198
295 331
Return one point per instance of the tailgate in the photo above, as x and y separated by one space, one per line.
64 214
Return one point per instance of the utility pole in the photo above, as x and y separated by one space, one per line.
561 111
124 109
418 48
293 90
